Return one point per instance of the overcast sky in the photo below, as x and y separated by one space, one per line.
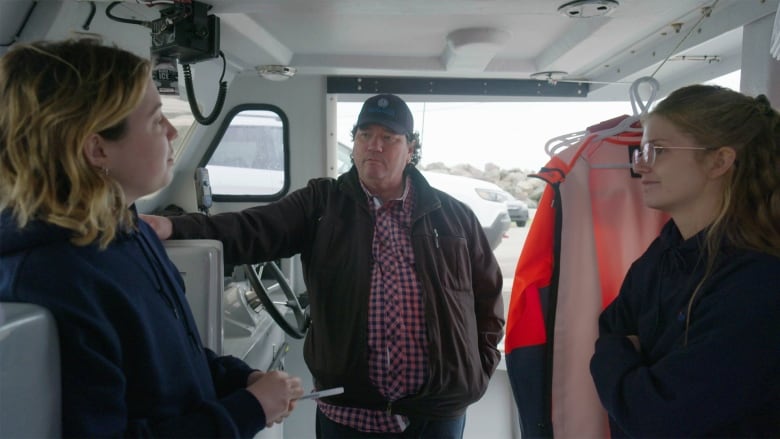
511 135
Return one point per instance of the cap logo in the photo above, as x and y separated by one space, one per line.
387 110
383 106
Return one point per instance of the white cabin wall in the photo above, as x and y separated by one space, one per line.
302 99
760 72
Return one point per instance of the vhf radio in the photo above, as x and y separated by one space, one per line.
203 189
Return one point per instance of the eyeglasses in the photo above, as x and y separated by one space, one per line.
644 157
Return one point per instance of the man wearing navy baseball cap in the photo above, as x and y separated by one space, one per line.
418 372
404 290
389 111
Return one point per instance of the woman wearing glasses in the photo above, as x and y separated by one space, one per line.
691 345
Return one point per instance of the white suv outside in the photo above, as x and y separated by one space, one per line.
486 199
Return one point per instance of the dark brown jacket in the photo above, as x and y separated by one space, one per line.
329 224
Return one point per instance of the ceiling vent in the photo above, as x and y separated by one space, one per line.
276 72
588 8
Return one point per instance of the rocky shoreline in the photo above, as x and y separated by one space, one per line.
515 181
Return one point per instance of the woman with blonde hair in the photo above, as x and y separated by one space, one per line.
82 137
691 345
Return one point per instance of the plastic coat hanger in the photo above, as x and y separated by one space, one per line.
626 130
557 144
639 108
613 127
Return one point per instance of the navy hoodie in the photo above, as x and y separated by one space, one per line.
720 377
132 361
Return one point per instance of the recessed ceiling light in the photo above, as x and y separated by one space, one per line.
588 8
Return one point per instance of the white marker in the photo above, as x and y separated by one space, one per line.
323 393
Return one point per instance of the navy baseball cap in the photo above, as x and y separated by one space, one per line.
389 111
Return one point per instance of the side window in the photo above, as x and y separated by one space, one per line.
251 156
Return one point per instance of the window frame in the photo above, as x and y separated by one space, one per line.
226 123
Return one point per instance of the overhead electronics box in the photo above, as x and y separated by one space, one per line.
186 32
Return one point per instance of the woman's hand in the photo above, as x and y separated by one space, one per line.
276 391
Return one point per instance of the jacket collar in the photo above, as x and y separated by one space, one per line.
684 254
427 198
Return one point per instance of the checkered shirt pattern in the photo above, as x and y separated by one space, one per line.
397 351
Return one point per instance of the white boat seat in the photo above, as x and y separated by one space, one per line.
29 372
199 262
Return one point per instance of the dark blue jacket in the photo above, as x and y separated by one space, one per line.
132 361
724 381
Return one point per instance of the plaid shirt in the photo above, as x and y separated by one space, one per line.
397 351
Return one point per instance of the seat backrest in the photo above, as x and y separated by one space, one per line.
200 263
30 404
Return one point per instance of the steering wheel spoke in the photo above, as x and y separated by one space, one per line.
254 273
